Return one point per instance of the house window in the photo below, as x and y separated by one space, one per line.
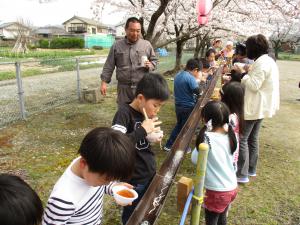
93 30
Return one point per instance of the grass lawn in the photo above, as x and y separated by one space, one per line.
7 56
289 56
40 149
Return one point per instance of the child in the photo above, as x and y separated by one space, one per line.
228 51
77 197
19 204
207 71
240 55
210 56
220 180
138 119
232 94
185 87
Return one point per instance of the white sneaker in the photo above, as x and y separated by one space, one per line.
188 151
242 180
167 149
252 174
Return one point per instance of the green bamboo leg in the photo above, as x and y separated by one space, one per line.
199 184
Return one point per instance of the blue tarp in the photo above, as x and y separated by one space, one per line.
106 41
162 52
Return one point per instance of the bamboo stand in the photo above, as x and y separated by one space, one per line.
199 184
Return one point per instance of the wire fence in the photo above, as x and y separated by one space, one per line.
33 86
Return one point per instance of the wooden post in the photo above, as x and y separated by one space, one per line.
184 187
199 183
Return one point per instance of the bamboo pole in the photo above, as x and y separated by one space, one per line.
199 183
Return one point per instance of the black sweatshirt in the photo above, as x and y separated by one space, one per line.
128 121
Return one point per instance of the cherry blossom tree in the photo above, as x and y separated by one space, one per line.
174 21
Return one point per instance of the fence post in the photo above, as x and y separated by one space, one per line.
78 79
199 183
20 90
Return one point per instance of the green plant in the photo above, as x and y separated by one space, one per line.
44 43
97 47
67 43
32 47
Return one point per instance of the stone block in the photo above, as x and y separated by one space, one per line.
91 95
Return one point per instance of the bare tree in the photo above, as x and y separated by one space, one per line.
22 35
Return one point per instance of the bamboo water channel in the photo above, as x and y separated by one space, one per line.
150 206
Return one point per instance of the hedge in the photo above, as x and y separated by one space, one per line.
67 43
44 43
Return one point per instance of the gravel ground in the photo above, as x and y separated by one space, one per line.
43 92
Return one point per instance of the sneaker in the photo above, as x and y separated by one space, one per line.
242 180
167 149
251 174
188 151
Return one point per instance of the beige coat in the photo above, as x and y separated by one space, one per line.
262 89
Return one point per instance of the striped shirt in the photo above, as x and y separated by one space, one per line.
73 201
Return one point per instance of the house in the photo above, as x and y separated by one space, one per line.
50 32
120 30
9 31
81 25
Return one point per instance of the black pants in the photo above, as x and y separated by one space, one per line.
128 210
213 218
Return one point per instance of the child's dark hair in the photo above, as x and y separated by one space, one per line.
109 152
205 63
192 64
19 203
232 94
240 49
209 52
153 86
218 113
235 76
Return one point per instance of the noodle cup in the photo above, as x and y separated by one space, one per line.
144 59
155 136
121 194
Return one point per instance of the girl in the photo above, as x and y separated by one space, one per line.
232 94
210 56
220 180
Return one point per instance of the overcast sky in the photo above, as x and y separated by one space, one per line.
54 13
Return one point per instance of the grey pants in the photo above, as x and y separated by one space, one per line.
249 148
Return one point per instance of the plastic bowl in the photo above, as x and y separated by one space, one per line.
122 199
155 136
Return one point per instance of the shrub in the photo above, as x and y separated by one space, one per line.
44 43
31 47
67 43
97 47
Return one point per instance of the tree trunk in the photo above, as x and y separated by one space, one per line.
277 46
198 47
276 53
179 52
155 16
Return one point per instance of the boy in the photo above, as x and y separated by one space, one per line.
77 197
152 91
19 204
185 89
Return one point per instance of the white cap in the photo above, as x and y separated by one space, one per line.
229 43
